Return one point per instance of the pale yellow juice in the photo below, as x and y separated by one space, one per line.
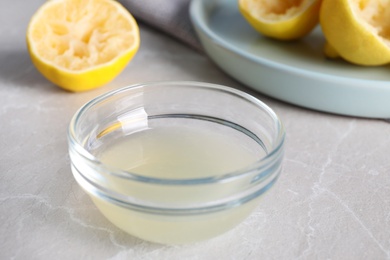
178 152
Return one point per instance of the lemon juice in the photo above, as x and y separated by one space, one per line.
176 230
175 162
178 153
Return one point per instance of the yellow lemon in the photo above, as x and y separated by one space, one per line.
330 52
358 30
82 44
281 19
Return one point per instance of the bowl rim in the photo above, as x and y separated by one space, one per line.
264 162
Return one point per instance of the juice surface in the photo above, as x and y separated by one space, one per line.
178 152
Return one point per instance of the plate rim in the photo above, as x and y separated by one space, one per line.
196 9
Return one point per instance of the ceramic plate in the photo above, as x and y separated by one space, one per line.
294 72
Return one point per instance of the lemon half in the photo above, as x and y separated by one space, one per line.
82 44
358 30
281 19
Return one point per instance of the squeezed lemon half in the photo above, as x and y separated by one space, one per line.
357 30
82 44
281 19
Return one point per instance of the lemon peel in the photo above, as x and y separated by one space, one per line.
281 19
358 31
330 51
80 45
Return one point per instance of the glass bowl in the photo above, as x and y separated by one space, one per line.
176 162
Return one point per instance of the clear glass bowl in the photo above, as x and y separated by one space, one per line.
176 162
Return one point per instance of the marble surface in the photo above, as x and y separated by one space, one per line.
332 200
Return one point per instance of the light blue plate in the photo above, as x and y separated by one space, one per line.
295 72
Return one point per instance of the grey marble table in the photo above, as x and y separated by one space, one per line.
332 200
